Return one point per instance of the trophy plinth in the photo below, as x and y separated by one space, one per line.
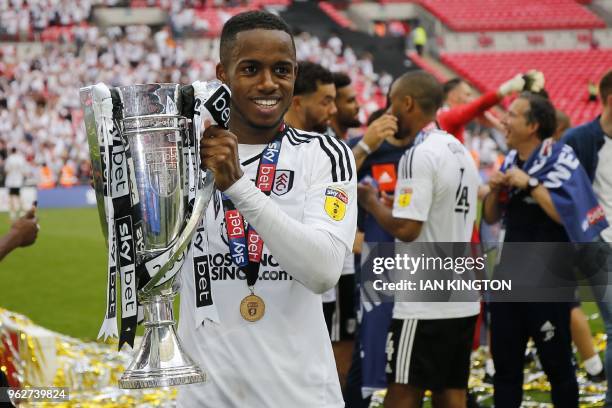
166 364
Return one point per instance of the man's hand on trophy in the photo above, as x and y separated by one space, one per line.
219 153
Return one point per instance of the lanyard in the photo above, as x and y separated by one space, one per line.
245 244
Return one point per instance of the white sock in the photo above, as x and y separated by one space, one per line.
490 367
593 365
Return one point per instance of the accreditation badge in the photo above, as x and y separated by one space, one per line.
335 203
405 196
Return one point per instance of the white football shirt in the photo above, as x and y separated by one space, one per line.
602 185
285 359
437 184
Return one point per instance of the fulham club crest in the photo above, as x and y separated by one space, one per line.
283 181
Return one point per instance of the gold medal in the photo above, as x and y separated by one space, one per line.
252 308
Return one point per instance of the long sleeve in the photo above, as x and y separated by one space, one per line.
311 254
453 120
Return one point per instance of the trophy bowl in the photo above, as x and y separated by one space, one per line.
144 150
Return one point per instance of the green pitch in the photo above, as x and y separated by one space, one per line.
60 281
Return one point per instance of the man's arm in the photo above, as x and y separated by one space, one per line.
491 209
311 250
360 155
22 233
406 230
377 132
310 254
542 197
458 116
519 179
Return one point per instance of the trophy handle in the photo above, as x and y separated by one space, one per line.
201 202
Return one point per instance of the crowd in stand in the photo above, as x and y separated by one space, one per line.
39 105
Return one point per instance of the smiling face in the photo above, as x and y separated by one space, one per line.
518 130
260 73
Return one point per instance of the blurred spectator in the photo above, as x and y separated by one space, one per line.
15 168
419 38
67 175
563 123
46 177
592 88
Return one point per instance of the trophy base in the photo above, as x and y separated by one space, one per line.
162 378
161 360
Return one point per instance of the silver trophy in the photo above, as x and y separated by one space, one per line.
155 123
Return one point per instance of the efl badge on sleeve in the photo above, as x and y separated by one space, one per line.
335 203
405 195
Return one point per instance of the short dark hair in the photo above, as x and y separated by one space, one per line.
309 76
249 20
424 88
605 87
450 85
542 112
341 79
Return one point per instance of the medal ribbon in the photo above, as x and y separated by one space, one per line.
245 245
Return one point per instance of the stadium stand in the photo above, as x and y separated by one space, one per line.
508 15
40 117
567 74
202 4
335 15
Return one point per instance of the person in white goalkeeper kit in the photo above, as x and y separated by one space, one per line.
269 346
429 343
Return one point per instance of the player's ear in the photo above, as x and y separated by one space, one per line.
296 102
533 127
409 103
221 74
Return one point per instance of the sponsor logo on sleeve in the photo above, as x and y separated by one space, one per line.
405 196
335 203
594 215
